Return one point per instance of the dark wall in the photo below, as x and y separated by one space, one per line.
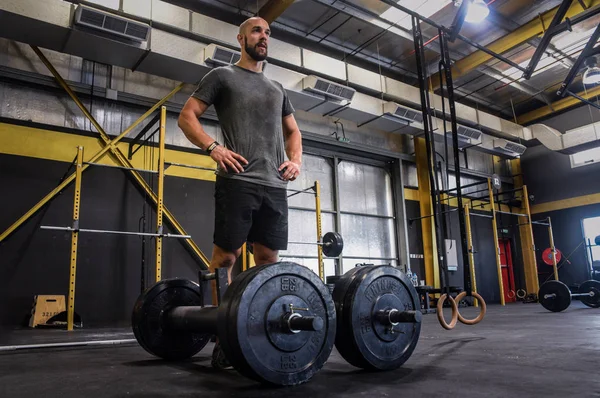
549 176
415 238
34 261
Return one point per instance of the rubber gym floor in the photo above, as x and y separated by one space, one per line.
518 350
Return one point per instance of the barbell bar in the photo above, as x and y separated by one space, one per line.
332 242
555 296
105 231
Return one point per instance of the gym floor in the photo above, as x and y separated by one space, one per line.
518 350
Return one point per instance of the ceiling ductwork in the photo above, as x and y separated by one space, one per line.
509 148
571 142
57 25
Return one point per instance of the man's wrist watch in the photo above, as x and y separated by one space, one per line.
212 146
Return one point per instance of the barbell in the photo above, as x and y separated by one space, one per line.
332 243
275 323
278 323
555 296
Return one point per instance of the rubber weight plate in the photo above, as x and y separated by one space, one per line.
250 322
587 287
147 326
554 296
362 339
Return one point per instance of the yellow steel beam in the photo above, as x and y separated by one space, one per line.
273 9
94 159
319 230
553 248
496 242
532 29
557 106
471 254
74 240
121 158
160 194
432 273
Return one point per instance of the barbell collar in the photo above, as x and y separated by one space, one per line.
295 323
393 317
192 319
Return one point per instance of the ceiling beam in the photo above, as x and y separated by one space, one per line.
273 9
532 29
559 105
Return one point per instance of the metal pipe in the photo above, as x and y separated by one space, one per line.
120 167
104 231
482 215
461 37
511 213
466 186
66 345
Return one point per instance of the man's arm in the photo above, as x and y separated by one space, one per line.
189 123
293 148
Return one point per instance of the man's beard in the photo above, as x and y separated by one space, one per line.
253 53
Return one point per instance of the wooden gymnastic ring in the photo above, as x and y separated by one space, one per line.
513 294
440 312
481 312
523 295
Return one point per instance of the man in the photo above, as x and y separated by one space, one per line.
257 121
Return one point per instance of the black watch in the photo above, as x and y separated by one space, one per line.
212 146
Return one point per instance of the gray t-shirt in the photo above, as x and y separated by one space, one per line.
250 108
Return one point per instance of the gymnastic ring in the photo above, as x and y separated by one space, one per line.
524 293
482 312
509 292
440 312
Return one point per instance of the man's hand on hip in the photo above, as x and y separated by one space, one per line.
291 170
228 160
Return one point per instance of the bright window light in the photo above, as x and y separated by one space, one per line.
477 11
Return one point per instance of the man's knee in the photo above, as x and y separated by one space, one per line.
224 259
264 255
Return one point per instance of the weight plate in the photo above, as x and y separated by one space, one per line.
597 240
587 287
361 339
554 296
547 256
147 325
333 244
250 321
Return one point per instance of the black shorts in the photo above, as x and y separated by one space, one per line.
250 212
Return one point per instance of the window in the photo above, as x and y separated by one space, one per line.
591 229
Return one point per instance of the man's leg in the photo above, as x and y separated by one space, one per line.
264 255
222 258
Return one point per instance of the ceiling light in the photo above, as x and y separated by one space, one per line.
477 11
591 75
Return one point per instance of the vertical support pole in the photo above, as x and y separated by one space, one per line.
525 232
496 243
401 221
319 230
528 229
339 267
74 239
160 193
471 254
553 248
432 270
